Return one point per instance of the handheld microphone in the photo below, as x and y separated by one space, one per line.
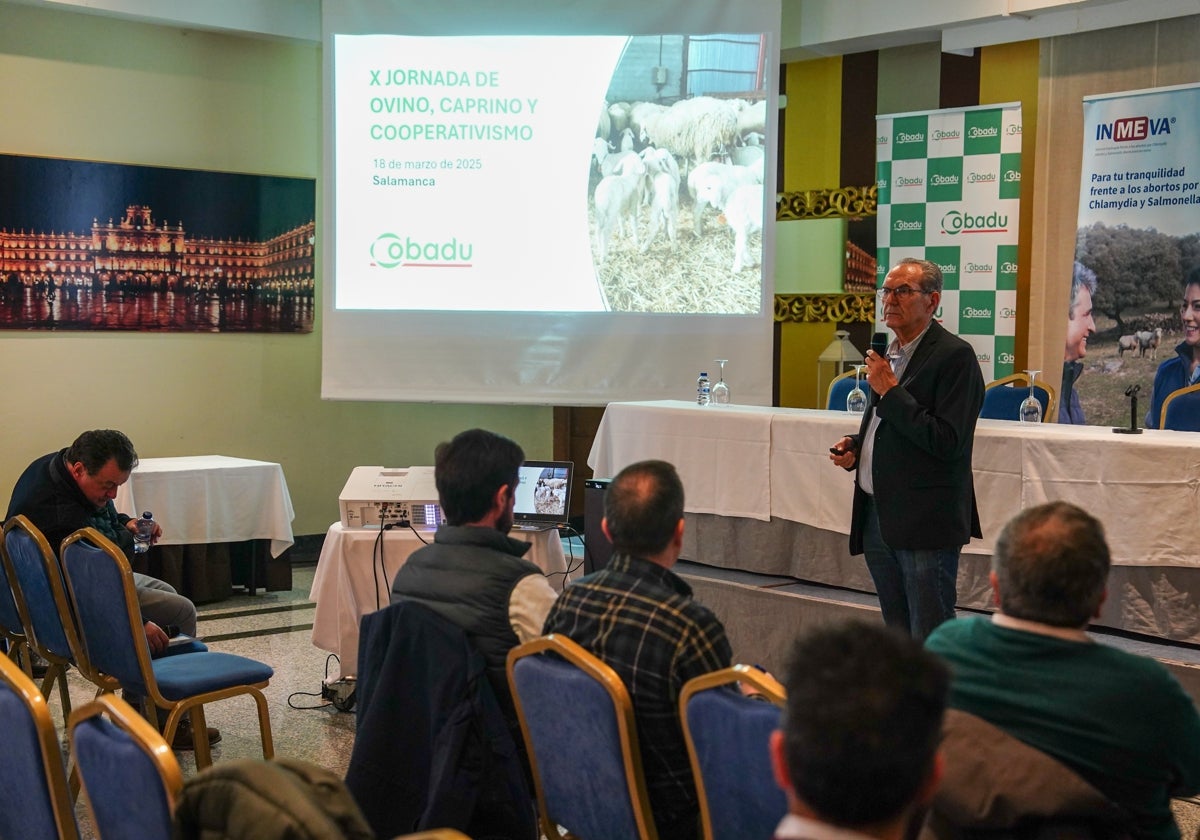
879 343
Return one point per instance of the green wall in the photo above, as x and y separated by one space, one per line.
93 88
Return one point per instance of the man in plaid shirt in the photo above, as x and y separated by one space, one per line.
639 617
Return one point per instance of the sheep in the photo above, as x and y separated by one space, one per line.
642 113
746 155
604 124
694 128
627 140
607 160
753 138
617 197
718 180
618 115
1148 340
664 207
660 160
743 212
752 118
1126 342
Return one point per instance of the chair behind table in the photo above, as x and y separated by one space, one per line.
1181 410
1002 398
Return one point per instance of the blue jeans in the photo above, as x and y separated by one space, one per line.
916 588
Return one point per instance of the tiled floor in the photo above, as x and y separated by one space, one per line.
275 627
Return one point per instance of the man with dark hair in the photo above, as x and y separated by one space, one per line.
474 574
74 488
914 492
1120 721
858 751
639 617
1080 327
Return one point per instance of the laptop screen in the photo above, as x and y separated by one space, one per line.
543 494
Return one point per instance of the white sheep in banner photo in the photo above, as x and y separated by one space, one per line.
712 183
606 159
744 215
642 113
617 198
695 129
664 208
618 116
752 119
604 124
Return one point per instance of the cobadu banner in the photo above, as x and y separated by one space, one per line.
949 186
1137 257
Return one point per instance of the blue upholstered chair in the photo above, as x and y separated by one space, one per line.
42 602
1181 410
839 389
131 777
100 584
1002 398
577 720
34 803
12 629
727 737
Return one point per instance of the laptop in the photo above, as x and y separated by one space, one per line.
543 495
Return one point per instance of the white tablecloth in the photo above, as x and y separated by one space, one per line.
350 581
211 499
761 463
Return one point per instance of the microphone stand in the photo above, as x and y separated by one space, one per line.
1131 392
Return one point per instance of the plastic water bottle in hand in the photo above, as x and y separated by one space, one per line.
145 533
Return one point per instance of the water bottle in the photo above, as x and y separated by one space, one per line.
145 533
702 389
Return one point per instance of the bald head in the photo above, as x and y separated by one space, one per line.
643 508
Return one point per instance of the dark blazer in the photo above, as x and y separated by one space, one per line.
921 466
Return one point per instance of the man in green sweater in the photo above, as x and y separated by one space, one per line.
1120 721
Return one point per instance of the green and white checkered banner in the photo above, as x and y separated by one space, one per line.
949 189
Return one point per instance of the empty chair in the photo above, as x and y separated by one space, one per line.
839 389
34 803
1181 410
42 602
12 629
131 777
100 584
727 735
1002 398
577 721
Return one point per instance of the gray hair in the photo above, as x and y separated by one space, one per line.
931 275
1081 277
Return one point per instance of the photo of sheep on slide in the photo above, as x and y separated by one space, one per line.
676 176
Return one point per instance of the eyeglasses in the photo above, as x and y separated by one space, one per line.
900 293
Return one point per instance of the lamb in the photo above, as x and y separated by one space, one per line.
607 160
752 119
617 198
642 113
1148 340
627 140
664 207
1126 342
618 115
743 212
695 128
604 124
718 180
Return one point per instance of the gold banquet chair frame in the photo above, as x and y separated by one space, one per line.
837 383
227 671
1170 398
579 762
764 685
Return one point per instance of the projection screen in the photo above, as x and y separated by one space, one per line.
561 204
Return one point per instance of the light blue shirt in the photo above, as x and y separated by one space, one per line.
898 354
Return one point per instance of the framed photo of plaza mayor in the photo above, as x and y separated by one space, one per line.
104 246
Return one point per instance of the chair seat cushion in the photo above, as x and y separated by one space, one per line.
187 675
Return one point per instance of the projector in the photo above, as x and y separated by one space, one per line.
375 497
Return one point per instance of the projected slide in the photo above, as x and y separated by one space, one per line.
547 174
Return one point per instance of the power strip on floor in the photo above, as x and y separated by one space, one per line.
340 693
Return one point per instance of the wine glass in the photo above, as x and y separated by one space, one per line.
856 400
720 391
1031 408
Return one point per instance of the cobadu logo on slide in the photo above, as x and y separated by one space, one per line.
956 222
390 250
975 312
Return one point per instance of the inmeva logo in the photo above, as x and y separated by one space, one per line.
981 178
972 312
943 181
942 134
903 225
1134 128
909 182
979 131
977 268
905 137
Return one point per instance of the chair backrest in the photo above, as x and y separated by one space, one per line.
100 584
34 803
129 772
12 628
728 735
1181 410
839 389
42 598
1002 398
577 720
